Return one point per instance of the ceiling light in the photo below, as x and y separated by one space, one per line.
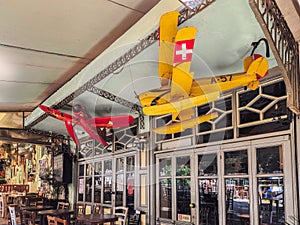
191 4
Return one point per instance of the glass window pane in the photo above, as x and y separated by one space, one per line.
130 163
120 164
237 201
108 167
80 189
107 189
208 201
207 165
269 160
183 196
271 200
88 169
236 162
165 167
98 168
165 200
98 189
81 170
183 166
88 189
130 191
119 189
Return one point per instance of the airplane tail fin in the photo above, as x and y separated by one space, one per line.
259 66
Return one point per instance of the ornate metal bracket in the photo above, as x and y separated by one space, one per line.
283 45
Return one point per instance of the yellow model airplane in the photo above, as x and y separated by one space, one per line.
179 92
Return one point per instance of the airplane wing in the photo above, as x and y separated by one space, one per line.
56 113
111 121
182 78
68 119
167 32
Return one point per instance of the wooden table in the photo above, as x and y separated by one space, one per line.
97 219
54 212
37 208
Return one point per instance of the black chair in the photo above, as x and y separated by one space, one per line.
135 219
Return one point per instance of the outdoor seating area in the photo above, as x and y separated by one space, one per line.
80 214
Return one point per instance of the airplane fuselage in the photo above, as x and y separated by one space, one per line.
200 87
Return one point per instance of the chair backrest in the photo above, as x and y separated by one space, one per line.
135 219
97 209
79 209
28 217
63 205
59 221
13 217
121 212
89 209
50 220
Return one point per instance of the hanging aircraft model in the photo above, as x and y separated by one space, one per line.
179 92
95 127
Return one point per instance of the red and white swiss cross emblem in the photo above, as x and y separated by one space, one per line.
183 51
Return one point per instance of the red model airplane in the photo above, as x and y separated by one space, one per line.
95 127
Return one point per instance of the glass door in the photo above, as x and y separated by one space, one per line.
175 188
250 182
257 181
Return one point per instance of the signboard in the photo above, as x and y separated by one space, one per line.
184 217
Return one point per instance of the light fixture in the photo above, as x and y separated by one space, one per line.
191 4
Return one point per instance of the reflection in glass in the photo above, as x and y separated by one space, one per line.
107 189
269 160
130 191
98 168
237 200
271 200
165 167
120 164
165 198
88 170
119 189
81 170
130 163
88 189
236 162
207 165
183 196
208 201
183 166
98 189
108 167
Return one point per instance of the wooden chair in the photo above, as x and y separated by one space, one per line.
79 209
89 209
63 205
135 219
50 220
14 220
121 212
28 218
97 209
